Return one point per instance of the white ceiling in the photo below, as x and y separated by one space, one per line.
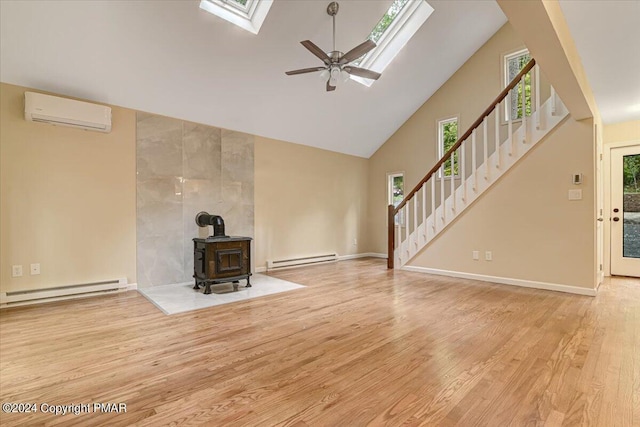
607 36
171 58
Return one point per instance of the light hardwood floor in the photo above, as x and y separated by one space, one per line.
360 345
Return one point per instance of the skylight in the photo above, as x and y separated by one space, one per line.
401 21
246 14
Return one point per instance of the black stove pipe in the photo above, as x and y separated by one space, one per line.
204 219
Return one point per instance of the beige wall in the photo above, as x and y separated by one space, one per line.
412 149
67 199
621 132
307 201
534 232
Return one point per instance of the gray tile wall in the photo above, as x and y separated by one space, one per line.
184 168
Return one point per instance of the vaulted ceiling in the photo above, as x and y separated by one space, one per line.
172 58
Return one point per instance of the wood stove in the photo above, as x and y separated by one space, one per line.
220 258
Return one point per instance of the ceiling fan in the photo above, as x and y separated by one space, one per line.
336 63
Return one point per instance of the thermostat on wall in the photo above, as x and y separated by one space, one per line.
577 178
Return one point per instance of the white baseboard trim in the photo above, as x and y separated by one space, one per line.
261 269
505 281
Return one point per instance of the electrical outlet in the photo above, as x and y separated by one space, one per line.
476 255
16 271
35 269
488 256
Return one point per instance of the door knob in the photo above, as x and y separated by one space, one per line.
600 219
616 219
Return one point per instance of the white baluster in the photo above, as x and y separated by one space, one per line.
474 163
536 75
398 230
433 202
524 111
424 208
406 222
463 181
496 112
553 101
485 149
415 213
509 124
442 210
453 183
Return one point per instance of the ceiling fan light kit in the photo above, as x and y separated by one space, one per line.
336 64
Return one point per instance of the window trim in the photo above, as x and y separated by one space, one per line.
405 25
505 57
440 141
249 17
247 9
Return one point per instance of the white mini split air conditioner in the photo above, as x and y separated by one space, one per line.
66 112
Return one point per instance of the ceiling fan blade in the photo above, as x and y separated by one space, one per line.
316 51
357 51
304 70
362 72
329 87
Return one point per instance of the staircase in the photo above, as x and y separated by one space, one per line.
486 151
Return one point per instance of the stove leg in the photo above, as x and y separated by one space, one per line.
207 289
248 283
196 286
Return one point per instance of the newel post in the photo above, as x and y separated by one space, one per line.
391 234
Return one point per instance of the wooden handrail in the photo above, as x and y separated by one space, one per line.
466 135
393 211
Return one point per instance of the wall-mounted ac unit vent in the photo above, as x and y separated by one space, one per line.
66 112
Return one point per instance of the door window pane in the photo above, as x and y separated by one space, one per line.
631 206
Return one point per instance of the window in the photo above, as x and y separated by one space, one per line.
513 64
396 188
246 14
401 21
447 137
395 192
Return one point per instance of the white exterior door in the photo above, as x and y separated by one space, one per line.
625 211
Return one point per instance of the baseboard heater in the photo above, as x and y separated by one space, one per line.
298 262
62 292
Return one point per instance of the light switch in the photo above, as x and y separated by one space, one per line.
575 194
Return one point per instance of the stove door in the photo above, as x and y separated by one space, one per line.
229 261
